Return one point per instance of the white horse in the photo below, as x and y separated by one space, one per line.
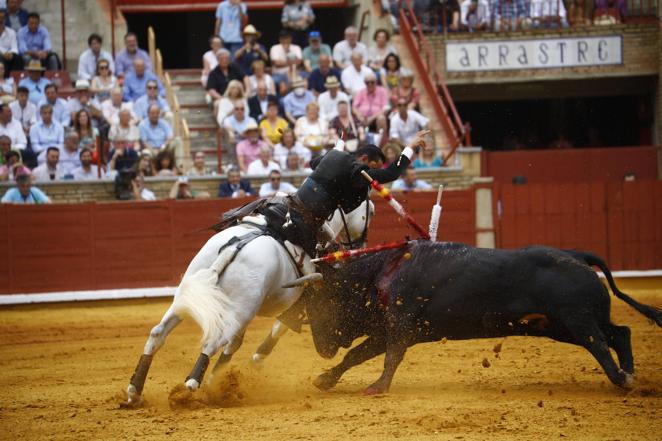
227 284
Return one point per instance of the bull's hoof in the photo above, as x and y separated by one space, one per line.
325 381
374 390
629 381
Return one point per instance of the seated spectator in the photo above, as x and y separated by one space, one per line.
87 171
235 125
311 129
251 51
35 82
475 15
392 151
343 50
275 185
230 14
220 77
5 147
319 76
378 135
124 154
371 101
248 148
181 190
209 61
103 82
263 165
577 15
60 108
24 192
259 76
164 163
547 14
49 170
345 127
13 166
34 44
151 98
450 11
296 101
406 91
87 133
11 128
110 109
83 100
328 101
272 126
155 132
139 192
145 165
610 11
88 62
509 14
405 123
353 76
296 17
390 73
314 51
409 182
8 46
125 59
70 154
258 104
235 187
289 145
294 164
17 17
377 53
428 158
24 111
282 63
46 133
135 82
233 94
199 168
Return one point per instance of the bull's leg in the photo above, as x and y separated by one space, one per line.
370 348
277 331
620 341
594 340
157 337
395 352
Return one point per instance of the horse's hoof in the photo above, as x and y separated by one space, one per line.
325 381
258 358
192 384
133 398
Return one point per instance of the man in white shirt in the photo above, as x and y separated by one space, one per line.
8 45
409 182
23 110
354 75
111 108
275 185
475 15
69 154
283 56
87 63
87 171
544 13
12 128
328 101
49 170
344 49
406 123
263 165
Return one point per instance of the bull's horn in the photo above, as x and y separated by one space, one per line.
314 277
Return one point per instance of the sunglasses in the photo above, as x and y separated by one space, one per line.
238 108
103 67
152 87
274 179
370 82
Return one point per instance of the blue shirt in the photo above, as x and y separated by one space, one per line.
36 89
134 87
296 106
142 104
43 136
436 162
14 196
157 135
61 112
38 41
124 61
230 29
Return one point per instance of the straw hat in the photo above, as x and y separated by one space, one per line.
34 65
82 85
331 81
252 125
298 82
250 30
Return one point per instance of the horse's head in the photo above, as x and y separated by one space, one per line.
351 229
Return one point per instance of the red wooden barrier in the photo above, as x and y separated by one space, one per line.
620 221
130 245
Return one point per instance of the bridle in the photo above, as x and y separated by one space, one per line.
358 243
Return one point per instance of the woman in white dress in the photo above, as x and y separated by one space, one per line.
209 61
233 93
103 82
259 74
311 129
377 52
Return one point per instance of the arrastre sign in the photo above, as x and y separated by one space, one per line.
471 56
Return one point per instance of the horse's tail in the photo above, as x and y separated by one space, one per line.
206 303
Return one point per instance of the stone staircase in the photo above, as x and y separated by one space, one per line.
198 115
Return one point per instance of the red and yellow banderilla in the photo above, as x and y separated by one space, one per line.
342 255
385 193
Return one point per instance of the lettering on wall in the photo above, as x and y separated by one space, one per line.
471 56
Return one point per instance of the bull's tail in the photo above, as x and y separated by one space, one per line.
206 303
650 312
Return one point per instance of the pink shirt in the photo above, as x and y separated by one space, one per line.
369 105
249 151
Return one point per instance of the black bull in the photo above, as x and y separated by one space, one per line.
430 291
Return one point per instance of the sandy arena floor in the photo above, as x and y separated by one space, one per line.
65 368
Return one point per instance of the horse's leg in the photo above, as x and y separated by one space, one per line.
277 331
156 339
228 351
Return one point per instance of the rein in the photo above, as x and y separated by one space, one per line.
354 244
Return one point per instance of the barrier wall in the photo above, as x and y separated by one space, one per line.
91 246
620 221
